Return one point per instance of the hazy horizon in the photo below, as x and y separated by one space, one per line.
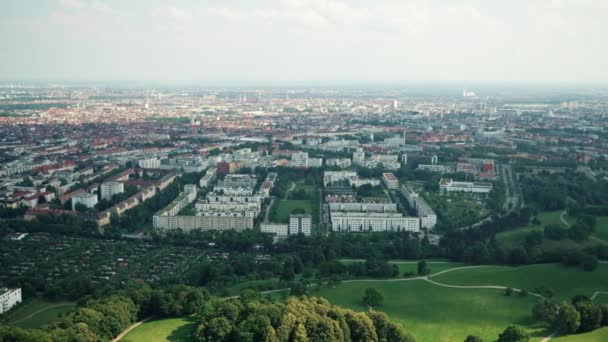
308 42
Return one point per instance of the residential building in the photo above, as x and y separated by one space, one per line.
447 184
109 189
300 224
87 199
279 229
149 163
299 159
9 298
372 222
390 181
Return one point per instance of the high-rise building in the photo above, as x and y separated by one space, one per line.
109 189
84 198
9 298
359 156
299 224
299 159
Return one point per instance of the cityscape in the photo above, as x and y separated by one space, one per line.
315 207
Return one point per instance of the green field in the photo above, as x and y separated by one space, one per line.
566 282
599 335
412 266
285 207
516 236
601 228
170 329
37 313
435 313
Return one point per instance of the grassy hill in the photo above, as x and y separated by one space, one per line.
436 313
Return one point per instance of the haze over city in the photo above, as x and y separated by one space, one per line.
303 171
314 41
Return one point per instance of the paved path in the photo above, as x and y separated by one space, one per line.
131 327
561 217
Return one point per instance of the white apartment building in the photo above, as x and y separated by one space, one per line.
208 178
85 198
359 157
390 181
447 184
299 159
9 298
337 176
149 163
109 189
428 217
279 229
300 224
339 162
315 162
373 222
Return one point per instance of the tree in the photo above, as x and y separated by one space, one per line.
372 297
473 338
508 291
423 268
513 334
568 319
81 208
591 316
544 311
590 262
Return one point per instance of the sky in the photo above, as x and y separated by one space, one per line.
378 41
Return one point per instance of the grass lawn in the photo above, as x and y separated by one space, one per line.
434 313
38 312
566 282
599 335
285 207
170 329
601 228
412 266
258 285
516 236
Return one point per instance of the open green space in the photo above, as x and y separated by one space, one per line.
421 307
37 313
566 282
435 313
286 207
409 266
457 209
257 285
170 329
601 228
599 335
515 237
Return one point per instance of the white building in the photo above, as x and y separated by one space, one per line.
109 189
447 184
342 163
9 298
208 178
150 163
337 176
300 224
279 229
372 222
390 181
315 162
299 159
85 198
428 217
359 157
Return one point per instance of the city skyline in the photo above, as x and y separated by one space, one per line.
304 41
